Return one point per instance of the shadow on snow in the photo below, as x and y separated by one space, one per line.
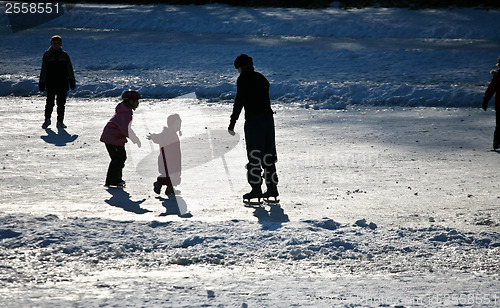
120 198
61 138
272 219
175 205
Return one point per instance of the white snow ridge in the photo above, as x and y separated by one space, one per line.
388 183
64 255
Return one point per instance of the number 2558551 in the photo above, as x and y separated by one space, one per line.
31 8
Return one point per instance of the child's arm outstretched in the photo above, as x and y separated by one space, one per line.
152 137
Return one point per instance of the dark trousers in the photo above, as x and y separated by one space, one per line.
261 149
61 104
164 180
115 170
496 136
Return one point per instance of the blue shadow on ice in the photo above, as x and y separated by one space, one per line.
272 219
60 139
175 205
120 198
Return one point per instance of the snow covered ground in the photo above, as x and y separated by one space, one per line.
388 185
318 58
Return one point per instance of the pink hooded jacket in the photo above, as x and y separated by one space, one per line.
116 130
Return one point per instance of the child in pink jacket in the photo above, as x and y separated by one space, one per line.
115 135
169 159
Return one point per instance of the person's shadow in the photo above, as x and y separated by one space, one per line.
175 205
120 198
60 139
272 219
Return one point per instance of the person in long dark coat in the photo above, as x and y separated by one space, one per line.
253 96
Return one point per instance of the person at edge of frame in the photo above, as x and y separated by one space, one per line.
493 87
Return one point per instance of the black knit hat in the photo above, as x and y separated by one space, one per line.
243 60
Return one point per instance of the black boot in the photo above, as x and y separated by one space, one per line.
46 124
157 187
255 193
271 192
170 191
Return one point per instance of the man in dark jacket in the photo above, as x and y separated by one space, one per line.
56 77
493 87
253 95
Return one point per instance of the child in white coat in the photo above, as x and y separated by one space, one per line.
169 159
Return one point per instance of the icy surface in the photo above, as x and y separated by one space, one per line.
385 202
379 206
325 59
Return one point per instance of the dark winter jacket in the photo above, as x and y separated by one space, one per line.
252 94
493 87
116 130
57 73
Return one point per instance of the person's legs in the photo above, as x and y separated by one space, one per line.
118 157
160 181
269 160
49 107
255 145
271 179
496 135
61 105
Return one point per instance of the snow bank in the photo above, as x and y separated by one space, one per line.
321 59
236 242
317 96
